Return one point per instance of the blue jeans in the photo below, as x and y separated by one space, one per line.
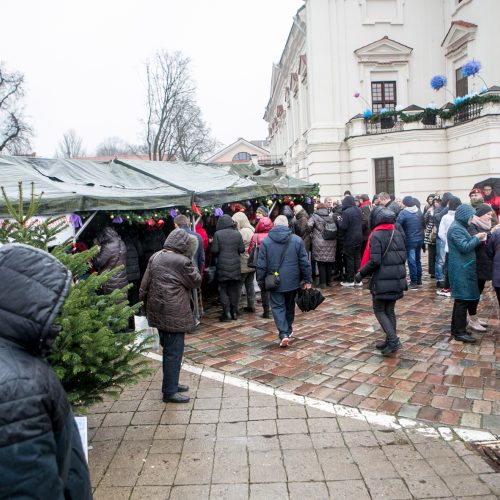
283 307
440 254
173 349
413 250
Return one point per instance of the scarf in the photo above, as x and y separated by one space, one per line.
482 225
366 253
367 202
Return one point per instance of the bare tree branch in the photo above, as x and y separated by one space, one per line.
70 146
15 133
173 119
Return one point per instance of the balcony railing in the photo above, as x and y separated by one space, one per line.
385 125
468 112
270 160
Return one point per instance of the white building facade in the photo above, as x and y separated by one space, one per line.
386 51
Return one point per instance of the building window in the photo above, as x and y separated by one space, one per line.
383 95
384 175
242 156
462 86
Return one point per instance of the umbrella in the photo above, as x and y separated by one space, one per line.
309 299
494 182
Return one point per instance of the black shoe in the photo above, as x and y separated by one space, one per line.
234 315
440 284
419 282
321 285
249 309
464 337
175 398
224 317
266 314
412 286
382 345
391 347
182 388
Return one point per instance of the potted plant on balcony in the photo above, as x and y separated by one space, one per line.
429 115
386 121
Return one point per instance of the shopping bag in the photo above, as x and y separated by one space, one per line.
146 333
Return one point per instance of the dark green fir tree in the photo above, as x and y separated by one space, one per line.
95 353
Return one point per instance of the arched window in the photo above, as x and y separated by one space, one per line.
242 156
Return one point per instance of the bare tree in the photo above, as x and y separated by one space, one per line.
70 146
173 116
15 133
113 146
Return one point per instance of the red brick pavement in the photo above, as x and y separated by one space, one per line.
333 357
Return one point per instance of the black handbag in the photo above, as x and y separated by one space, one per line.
254 254
272 280
209 274
309 299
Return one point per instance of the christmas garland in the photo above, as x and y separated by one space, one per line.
444 113
156 218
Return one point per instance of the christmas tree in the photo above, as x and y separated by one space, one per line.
95 353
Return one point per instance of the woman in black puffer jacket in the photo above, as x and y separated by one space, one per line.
113 253
228 245
384 259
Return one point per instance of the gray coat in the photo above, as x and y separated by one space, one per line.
322 250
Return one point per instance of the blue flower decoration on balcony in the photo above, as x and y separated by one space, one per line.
438 82
471 68
367 114
483 89
383 111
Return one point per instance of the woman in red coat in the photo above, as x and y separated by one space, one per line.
261 231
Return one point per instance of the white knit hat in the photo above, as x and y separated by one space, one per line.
281 220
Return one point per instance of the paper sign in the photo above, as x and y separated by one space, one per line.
81 423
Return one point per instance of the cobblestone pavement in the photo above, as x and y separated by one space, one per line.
333 357
239 440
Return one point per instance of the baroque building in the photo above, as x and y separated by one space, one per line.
385 52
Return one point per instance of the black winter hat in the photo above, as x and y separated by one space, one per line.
409 201
482 209
454 203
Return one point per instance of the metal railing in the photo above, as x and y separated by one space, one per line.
385 125
270 160
468 112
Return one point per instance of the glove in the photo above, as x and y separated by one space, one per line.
358 278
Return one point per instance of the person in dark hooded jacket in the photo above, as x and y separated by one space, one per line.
287 211
294 267
384 259
41 453
166 292
113 253
351 223
228 245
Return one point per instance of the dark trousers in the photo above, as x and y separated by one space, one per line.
497 290
266 300
352 258
431 256
248 281
325 272
459 315
339 259
173 350
445 272
386 316
283 307
480 285
230 292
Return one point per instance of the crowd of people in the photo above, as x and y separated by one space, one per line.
280 249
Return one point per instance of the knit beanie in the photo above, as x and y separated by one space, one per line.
475 191
408 201
263 211
454 203
482 209
281 220
297 209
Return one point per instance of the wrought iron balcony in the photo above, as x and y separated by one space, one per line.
270 161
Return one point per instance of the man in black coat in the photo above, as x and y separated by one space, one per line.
182 222
384 260
41 453
351 223
228 245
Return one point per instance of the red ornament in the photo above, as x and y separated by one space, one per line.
195 209
150 222
160 223
286 199
292 204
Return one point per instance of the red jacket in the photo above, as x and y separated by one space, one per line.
494 200
261 231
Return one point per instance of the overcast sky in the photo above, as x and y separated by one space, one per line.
84 62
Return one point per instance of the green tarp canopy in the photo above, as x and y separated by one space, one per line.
86 185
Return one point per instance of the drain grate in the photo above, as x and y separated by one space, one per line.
490 450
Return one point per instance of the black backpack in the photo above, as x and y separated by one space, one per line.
329 231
